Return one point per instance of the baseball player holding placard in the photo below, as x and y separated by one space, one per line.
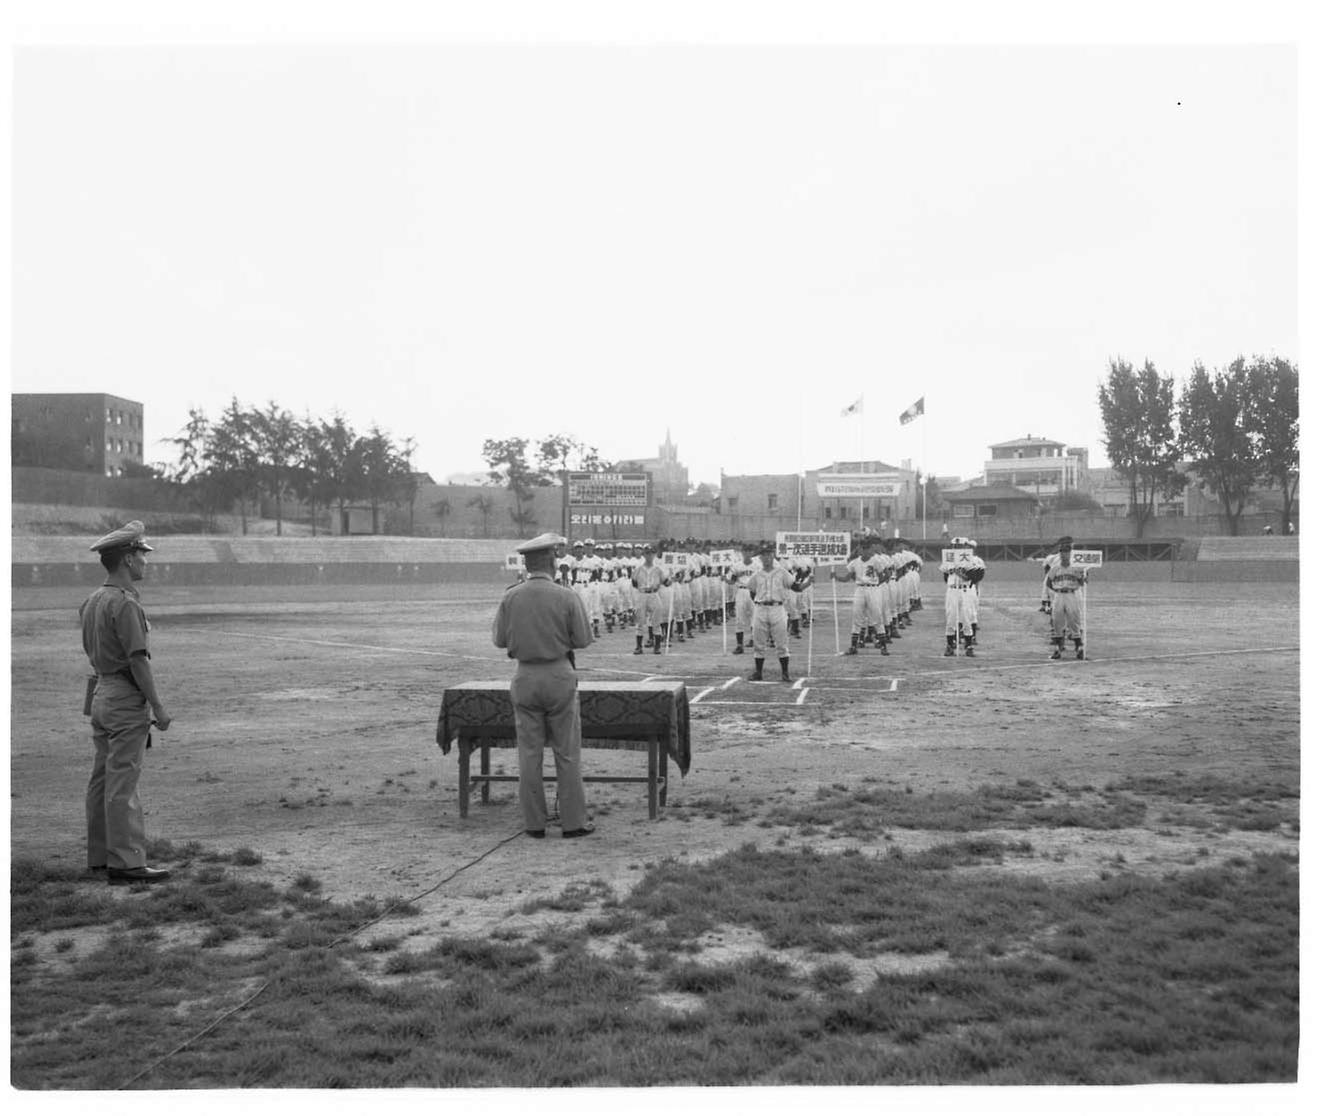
1067 578
961 570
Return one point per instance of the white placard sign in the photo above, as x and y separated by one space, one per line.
1087 559
824 548
724 557
676 560
950 555
514 563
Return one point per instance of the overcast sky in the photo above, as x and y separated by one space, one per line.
487 237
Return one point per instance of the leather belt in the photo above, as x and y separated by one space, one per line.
768 602
1074 590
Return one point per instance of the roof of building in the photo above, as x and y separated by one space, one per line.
989 492
1027 440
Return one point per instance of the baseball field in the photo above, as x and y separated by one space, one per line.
892 870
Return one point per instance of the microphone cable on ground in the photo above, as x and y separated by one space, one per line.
337 941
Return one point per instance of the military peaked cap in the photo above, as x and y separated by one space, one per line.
129 537
548 541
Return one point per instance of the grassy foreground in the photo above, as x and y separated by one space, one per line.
984 976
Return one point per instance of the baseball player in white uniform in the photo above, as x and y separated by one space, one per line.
867 597
768 587
740 575
1066 583
961 576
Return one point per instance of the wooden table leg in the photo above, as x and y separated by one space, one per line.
652 777
486 770
464 757
662 771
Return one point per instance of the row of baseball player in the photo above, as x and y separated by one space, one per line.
709 586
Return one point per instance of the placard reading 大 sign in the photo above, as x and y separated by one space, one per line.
824 548
724 557
950 555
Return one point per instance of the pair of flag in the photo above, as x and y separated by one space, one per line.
856 407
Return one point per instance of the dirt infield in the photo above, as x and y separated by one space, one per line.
304 729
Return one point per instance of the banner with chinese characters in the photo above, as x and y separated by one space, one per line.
858 486
824 548
1087 559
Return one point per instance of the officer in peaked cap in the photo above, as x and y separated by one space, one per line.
123 702
540 625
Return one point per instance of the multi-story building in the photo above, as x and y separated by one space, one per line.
1039 466
840 496
91 433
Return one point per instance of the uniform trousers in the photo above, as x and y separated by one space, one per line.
745 609
868 608
770 622
647 611
1067 615
960 610
120 735
546 714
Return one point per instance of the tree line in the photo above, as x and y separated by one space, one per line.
1234 428
247 453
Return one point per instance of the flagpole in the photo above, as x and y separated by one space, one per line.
922 416
861 464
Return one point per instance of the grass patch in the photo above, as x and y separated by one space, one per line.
873 809
1127 979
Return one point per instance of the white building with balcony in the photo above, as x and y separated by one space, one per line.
1038 466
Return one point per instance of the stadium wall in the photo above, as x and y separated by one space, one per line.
51 560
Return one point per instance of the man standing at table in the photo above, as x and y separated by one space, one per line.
541 624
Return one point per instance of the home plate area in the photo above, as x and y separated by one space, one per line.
738 689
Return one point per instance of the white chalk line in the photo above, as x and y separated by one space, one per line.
1028 664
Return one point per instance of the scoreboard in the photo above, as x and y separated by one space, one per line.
617 490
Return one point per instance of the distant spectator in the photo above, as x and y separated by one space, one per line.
1291 530
1269 530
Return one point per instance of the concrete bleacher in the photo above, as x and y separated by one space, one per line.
62 559
1242 558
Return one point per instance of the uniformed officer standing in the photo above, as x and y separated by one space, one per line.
541 624
115 639
649 608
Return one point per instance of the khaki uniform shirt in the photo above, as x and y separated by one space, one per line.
114 628
539 621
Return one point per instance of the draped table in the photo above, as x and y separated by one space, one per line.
641 716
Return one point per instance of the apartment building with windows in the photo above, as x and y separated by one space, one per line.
90 433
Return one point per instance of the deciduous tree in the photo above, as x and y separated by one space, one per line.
1217 424
1138 415
1272 387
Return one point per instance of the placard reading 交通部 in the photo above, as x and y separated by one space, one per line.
824 548
1087 559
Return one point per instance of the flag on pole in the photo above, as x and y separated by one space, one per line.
854 408
918 408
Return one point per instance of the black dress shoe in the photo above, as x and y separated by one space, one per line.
141 874
539 833
582 831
